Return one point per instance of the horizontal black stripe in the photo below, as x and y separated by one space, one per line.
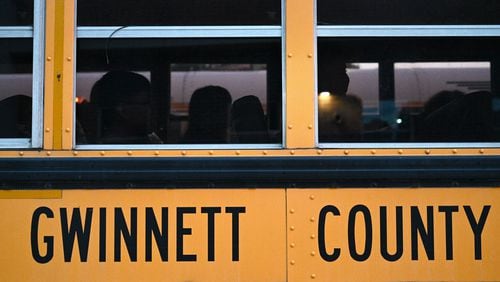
258 172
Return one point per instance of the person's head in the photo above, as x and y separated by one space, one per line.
332 75
209 115
120 88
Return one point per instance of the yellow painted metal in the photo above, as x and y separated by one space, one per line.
30 194
254 153
67 99
261 234
58 76
342 207
60 101
50 75
300 96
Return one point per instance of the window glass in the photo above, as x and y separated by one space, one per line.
178 12
408 12
16 62
179 91
408 90
16 12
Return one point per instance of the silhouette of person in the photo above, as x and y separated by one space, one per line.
452 116
332 75
248 121
208 116
123 102
15 114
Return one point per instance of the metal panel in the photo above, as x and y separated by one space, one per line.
137 235
351 234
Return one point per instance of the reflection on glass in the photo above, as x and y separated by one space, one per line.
412 90
16 12
16 57
407 12
157 92
178 12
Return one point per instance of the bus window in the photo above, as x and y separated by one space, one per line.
179 91
15 88
408 90
408 12
179 12
20 66
16 12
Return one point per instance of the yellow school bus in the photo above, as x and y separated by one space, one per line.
258 140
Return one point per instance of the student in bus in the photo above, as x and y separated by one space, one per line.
15 114
248 121
209 110
121 101
339 114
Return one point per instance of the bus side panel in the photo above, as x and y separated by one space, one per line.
145 235
422 234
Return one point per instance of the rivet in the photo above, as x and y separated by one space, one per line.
237 152
290 55
292 245
454 151
292 211
312 197
129 153
210 152
75 153
313 253
290 126
310 126
313 236
400 151
68 59
292 262
292 228
346 152
319 152
292 152
49 59
264 152
373 152
103 153
312 219
313 276
183 153
47 129
309 55
481 151
67 129
49 153
427 151
21 153
157 153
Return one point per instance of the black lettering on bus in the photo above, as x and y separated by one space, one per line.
129 236
321 234
48 240
102 234
418 228
181 231
399 234
351 233
211 211
448 213
477 228
235 211
82 233
161 237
